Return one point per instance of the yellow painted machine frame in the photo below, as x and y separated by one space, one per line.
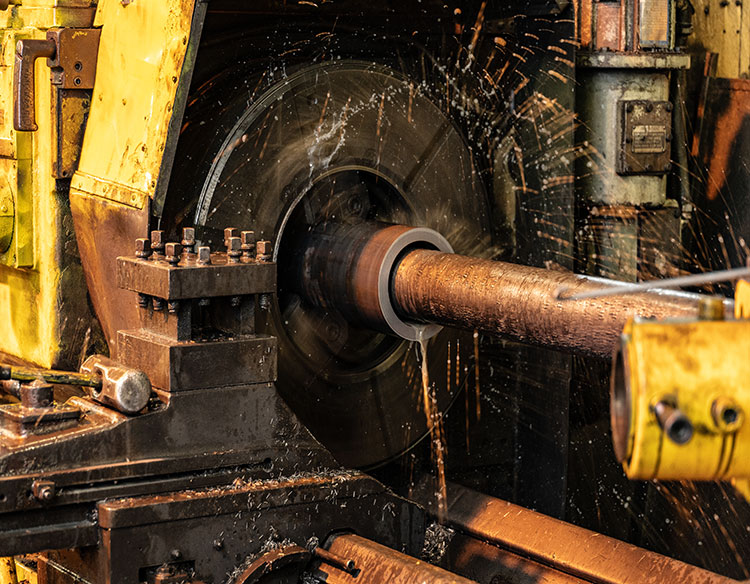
146 54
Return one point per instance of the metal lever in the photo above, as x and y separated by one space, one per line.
24 98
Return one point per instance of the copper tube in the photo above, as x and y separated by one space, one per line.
375 563
520 302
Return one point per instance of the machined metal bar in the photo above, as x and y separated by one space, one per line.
521 303
567 548
377 563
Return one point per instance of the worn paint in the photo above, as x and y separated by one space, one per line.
133 101
693 364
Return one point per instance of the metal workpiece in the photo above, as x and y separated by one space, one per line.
357 559
349 267
123 388
521 303
530 542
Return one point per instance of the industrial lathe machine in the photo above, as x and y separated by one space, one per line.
305 291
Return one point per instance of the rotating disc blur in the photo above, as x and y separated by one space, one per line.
343 141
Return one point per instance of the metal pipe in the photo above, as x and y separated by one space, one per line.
520 302
402 280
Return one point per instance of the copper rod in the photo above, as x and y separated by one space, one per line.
520 302
568 548
377 563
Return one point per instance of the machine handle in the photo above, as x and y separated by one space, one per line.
24 98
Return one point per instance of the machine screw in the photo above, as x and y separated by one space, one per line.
233 250
230 232
173 306
158 304
263 251
248 246
234 301
264 301
188 242
218 544
143 300
44 491
157 244
142 248
204 255
649 107
172 251
175 555
668 106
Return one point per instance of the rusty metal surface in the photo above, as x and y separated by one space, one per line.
73 63
490 564
520 302
646 133
348 267
567 548
186 365
375 563
97 220
189 279
24 84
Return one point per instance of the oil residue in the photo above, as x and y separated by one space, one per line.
434 420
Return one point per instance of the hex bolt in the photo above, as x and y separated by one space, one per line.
204 255
173 306
143 300
233 250
230 232
248 246
188 242
44 491
158 304
172 251
263 251
676 425
142 248
157 244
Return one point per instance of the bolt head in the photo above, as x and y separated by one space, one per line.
142 247
172 249
233 244
204 255
157 239
263 248
247 237
230 232
188 236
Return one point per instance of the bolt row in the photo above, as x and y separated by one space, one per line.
241 248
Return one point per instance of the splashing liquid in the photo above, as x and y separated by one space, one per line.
435 427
